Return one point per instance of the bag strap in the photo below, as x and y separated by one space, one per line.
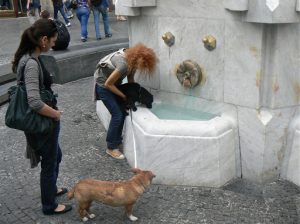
107 59
21 81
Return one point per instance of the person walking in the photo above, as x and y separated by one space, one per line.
38 38
108 76
68 9
33 10
100 7
83 14
59 6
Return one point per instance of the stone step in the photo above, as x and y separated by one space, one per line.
6 74
3 91
7 79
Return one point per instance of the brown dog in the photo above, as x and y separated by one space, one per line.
121 193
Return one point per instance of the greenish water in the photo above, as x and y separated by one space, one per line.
171 112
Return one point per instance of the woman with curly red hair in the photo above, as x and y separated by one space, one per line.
110 75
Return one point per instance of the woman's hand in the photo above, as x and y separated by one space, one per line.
50 112
58 115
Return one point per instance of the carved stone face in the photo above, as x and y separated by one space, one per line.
188 73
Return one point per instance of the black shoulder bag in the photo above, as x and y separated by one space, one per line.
20 116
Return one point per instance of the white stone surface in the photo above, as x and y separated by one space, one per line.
103 114
188 45
138 3
212 9
201 153
120 9
136 35
262 133
272 11
243 58
291 165
272 4
298 6
236 5
280 85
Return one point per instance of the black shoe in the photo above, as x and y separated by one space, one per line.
66 209
83 39
63 191
99 38
108 35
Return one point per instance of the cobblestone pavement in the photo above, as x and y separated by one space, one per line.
83 145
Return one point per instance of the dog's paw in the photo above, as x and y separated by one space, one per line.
132 218
91 216
84 219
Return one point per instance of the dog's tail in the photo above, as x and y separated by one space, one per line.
71 193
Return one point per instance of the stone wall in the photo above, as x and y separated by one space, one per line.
255 67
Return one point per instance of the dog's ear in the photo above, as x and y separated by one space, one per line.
136 170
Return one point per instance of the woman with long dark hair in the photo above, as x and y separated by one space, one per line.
38 38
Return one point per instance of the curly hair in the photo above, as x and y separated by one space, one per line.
141 57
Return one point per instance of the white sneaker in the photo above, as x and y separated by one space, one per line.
68 24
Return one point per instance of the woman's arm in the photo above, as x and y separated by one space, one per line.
50 112
31 78
110 83
130 78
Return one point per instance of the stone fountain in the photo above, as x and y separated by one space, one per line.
248 52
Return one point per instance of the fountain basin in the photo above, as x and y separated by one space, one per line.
182 152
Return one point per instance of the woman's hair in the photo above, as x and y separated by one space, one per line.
31 37
140 57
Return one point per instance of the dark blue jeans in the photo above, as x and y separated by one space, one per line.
51 157
83 15
114 132
62 12
103 11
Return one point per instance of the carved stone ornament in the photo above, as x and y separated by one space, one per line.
210 42
168 38
188 73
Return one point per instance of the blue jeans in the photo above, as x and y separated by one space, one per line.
62 12
114 132
67 9
96 11
83 15
51 157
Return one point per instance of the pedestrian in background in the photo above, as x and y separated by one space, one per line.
39 38
67 9
59 6
83 14
100 7
33 10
